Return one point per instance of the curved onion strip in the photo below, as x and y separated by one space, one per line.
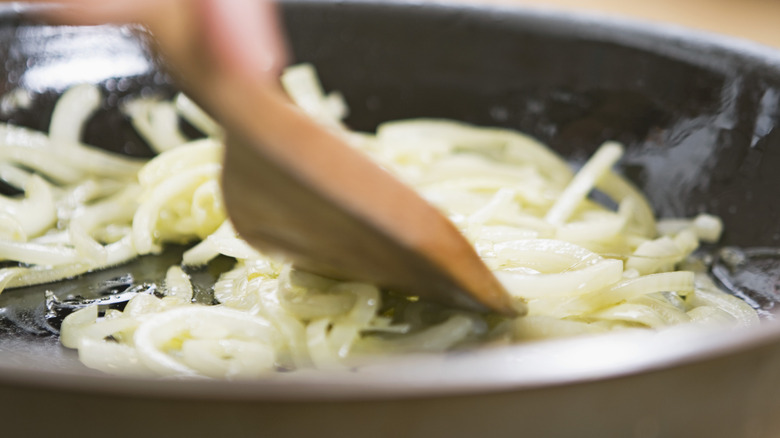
11 229
571 283
323 356
7 276
668 312
98 162
300 82
119 208
36 212
537 327
14 176
347 329
632 313
206 209
191 155
681 282
599 229
502 197
227 358
74 324
292 329
103 328
51 166
620 190
157 122
158 338
33 150
206 250
148 213
309 296
117 253
544 255
518 147
740 310
436 338
86 247
111 357
708 315
72 111
33 253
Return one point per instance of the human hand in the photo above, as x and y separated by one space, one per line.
242 36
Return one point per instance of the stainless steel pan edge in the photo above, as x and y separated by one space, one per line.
491 369
675 383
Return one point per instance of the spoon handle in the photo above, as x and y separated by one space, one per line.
294 187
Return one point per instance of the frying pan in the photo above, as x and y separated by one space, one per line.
697 112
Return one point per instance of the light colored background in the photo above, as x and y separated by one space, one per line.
758 20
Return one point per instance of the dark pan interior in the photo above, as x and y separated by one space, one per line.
699 118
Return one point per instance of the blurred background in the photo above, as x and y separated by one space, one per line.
758 20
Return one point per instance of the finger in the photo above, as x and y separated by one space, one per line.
89 12
245 37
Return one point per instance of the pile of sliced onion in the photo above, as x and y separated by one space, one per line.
581 267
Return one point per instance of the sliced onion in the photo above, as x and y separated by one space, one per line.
572 283
177 284
196 116
681 282
160 337
584 181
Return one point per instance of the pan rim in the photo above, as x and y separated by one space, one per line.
398 379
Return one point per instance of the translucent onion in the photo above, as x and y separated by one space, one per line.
157 122
571 283
681 282
163 334
585 180
197 117
36 212
529 216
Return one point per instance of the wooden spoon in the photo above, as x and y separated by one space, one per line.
294 187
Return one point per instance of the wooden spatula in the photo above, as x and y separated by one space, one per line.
294 187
